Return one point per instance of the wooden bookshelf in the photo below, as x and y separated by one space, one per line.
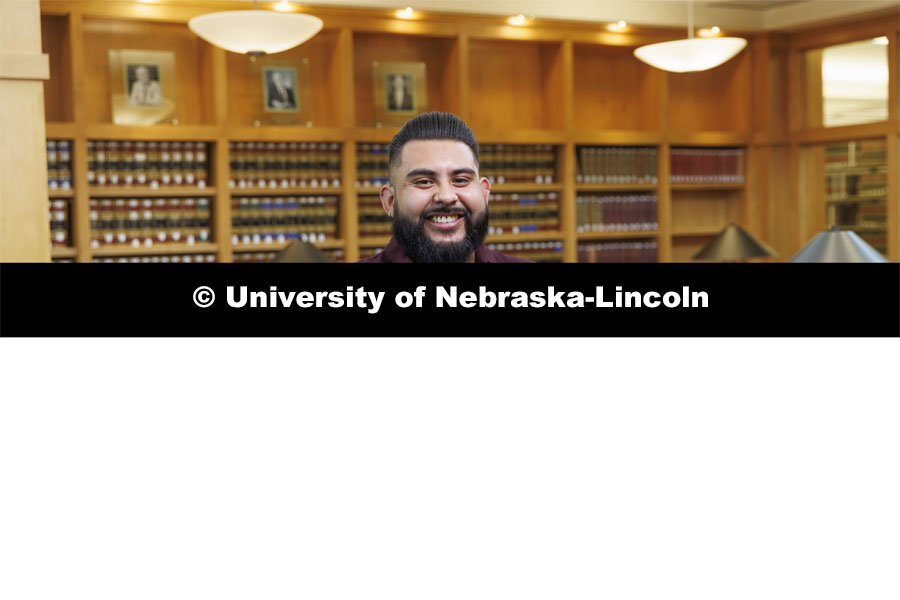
556 83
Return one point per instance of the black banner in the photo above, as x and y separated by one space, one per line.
508 300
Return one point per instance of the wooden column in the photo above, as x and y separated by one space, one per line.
349 209
24 210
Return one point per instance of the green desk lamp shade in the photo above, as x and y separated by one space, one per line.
301 252
734 243
838 246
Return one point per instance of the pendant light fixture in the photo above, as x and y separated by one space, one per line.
255 32
692 54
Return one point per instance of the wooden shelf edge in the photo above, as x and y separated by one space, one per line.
699 232
156 250
694 187
374 135
60 130
63 252
170 191
525 188
615 187
61 193
618 138
709 138
522 136
163 133
287 133
372 242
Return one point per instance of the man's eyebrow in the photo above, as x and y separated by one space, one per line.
430 173
420 173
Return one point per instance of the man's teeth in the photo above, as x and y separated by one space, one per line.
443 218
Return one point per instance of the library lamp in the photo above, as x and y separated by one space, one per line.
255 32
301 252
692 54
838 246
734 243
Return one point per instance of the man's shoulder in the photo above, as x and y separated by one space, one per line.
378 258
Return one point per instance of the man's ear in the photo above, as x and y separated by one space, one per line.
486 189
387 199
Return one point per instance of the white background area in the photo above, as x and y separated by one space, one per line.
478 468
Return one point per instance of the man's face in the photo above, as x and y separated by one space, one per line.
438 202
276 78
142 74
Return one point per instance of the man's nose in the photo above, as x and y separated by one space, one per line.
445 193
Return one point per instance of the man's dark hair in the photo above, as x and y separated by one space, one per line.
432 126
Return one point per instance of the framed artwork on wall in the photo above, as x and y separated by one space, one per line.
400 91
142 87
280 91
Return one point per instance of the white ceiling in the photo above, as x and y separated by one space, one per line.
746 15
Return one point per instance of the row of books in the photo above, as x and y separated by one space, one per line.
628 212
523 213
284 164
163 258
859 153
707 165
618 252
616 165
154 164
536 251
518 163
335 255
867 215
149 222
373 221
268 220
59 223
372 164
59 165
253 257
850 187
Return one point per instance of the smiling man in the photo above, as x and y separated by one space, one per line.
437 202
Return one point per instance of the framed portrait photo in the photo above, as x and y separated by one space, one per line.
400 91
280 91
142 87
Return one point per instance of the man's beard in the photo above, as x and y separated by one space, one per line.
412 236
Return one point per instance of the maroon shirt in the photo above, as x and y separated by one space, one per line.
394 253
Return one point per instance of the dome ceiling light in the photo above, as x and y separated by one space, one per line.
255 32
691 54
